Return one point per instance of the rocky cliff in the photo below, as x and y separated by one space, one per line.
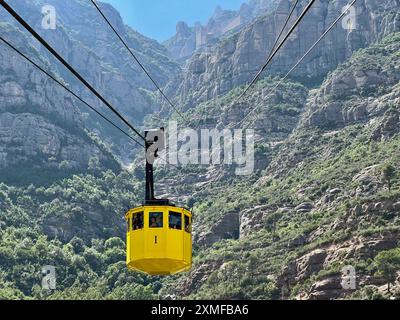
236 59
42 125
189 39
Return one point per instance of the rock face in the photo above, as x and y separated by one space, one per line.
183 44
329 287
31 139
252 220
92 224
41 123
225 228
326 289
359 91
97 51
388 126
40 126
195 279
189 39
236 59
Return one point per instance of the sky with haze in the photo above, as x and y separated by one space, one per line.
157 18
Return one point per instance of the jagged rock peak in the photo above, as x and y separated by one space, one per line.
184 44
218 11
183 29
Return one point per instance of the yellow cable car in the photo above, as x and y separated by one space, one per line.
159 239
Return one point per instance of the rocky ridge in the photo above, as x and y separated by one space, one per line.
235 60
187 39
28 97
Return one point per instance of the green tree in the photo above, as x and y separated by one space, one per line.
387 264
64 165
388 173
94 259
114 242
77 245
133 292
271 221
9 293
94 165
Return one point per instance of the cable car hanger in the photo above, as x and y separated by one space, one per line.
159 239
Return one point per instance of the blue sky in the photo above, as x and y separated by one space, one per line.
157 18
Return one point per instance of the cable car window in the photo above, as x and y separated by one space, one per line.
188 226
175 220
156 220
137 221
128 224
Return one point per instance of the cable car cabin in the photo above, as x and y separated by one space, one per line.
159 240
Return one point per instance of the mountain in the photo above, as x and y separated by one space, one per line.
42 131
90 46
189 39
320 201
235 60
324 194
